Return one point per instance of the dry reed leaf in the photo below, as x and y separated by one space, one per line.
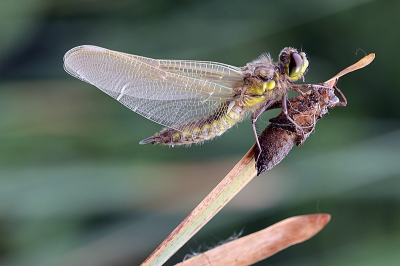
262 244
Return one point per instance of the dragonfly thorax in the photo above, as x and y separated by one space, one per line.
259 70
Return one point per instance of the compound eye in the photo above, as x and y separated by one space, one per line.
295 65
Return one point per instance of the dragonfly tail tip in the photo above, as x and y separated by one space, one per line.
147 141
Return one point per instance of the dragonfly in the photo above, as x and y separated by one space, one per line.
195 101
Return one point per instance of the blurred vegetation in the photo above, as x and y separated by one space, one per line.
77 189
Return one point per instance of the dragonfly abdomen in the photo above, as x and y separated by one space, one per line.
202 130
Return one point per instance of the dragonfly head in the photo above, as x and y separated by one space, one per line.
293 63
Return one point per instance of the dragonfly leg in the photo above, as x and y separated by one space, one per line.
253 124
344 103
299 87
285 111
299 91
254 117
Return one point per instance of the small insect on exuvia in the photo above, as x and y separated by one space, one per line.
195 100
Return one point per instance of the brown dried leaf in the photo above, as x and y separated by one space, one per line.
365 61
262 244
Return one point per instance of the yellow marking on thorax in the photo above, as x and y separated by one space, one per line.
253 101
255 90
257 94
269 85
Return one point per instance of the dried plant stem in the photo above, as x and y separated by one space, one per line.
236 179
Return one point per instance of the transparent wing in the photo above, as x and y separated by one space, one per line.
168 92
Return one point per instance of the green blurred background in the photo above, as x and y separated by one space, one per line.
76 188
